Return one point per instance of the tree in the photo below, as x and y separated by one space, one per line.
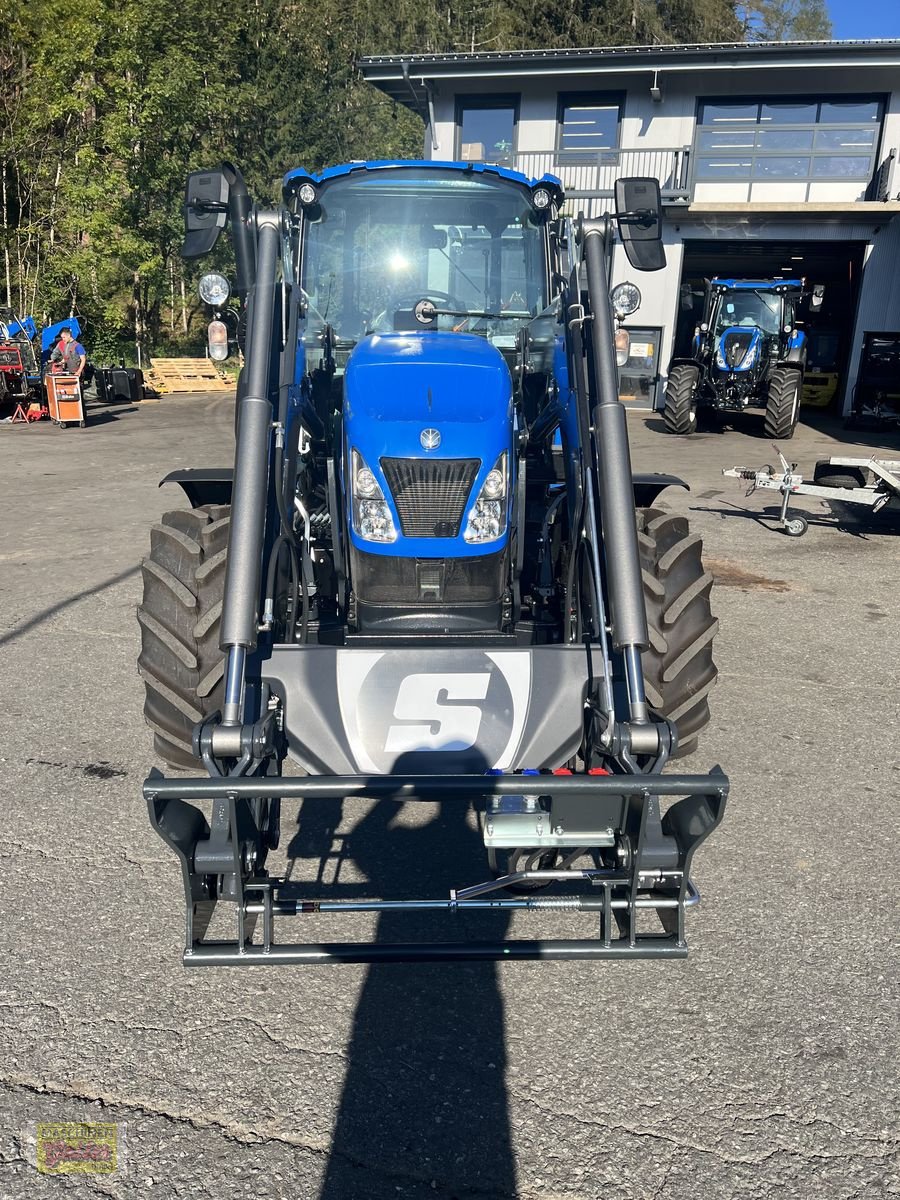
105 105
786 20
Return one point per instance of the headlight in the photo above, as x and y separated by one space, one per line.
306 194
541 198
214 289
626 299
372 518
487 518
623 347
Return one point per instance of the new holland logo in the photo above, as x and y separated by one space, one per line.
430 439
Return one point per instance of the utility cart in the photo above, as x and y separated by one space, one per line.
64 400
874 482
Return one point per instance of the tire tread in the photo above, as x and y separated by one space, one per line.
179 617
679 671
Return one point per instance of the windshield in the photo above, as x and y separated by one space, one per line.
761 310
378 242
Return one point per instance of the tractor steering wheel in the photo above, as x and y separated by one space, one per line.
408 302
444 300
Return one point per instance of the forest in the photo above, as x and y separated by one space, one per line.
105 105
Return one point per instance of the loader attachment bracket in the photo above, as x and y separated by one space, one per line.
650 877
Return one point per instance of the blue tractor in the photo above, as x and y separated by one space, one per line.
747 352
431 574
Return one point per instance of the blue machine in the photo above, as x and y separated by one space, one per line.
23 331
746 352
50 335
432 573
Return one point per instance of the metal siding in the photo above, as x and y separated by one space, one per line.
879 299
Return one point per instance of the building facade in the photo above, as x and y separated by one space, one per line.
774 160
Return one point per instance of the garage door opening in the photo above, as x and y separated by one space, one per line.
836 265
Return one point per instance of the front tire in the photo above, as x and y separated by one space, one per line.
783 405
180 661
680 411
679 672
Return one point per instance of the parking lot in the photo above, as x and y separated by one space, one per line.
764 1065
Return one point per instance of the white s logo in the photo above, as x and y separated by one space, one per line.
419 699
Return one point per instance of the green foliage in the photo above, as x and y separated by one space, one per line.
105 105
786 20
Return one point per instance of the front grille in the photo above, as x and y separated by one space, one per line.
430 493
735 347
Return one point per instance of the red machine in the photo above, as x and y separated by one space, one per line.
14 382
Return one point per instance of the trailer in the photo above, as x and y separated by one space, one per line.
873 482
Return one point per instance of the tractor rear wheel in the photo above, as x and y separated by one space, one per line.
180 661
679 672
783 404
680 412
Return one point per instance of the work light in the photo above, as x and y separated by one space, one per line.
214 289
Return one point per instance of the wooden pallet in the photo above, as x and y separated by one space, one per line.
186 375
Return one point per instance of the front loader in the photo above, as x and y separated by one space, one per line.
431 575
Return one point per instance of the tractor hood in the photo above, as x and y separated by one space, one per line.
739 348
430 414
399 385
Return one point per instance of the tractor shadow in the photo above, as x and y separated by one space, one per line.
424 1094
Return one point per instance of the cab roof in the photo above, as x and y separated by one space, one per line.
757 285
298 175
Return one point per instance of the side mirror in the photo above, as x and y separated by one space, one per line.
205 211
639 218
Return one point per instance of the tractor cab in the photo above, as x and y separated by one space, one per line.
377 240
417 282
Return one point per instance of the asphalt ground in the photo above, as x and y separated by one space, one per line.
764 1065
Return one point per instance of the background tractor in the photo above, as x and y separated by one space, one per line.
431 574
747 352
25 353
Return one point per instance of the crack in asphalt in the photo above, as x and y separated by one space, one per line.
242 1134
183 1035
17 847
716 1151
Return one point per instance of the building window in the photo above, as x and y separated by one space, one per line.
486 128
795 139
588 123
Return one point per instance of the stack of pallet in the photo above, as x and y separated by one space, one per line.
186 375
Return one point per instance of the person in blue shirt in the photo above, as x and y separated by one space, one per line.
70 354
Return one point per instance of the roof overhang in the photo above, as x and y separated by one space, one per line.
874 212
408 79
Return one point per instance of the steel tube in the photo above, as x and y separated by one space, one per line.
628 618
634 683
431 787
240 212
234 685
362 952
251 456
299 908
